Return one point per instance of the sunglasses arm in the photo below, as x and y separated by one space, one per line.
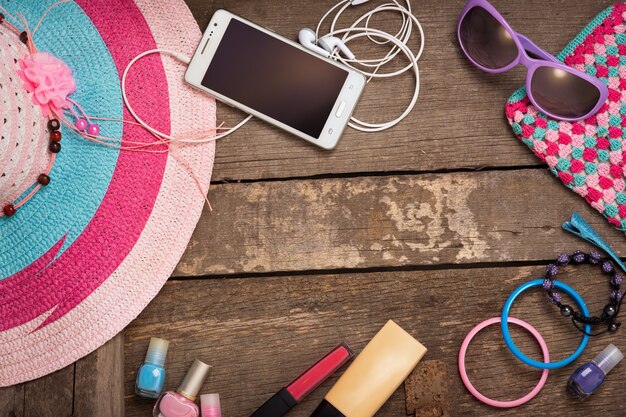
531 47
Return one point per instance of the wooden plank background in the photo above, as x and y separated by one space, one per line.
431 224
457 124
385 221
260 333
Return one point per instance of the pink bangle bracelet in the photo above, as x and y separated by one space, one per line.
474 391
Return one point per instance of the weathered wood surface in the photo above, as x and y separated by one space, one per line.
386 221
12 401
459 119
386 206
51 395
91 387
261 333
98 382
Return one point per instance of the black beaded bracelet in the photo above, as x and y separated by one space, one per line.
611 310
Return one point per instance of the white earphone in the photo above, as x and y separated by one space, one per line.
329 45
324 46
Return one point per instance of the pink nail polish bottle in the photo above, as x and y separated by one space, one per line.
181 403
210 405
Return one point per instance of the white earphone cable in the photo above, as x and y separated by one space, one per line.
185 59
378 127
400 41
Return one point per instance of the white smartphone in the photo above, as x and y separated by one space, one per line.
275 79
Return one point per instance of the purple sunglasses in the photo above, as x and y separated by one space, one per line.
555 89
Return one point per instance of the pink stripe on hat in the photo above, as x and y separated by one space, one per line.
141 273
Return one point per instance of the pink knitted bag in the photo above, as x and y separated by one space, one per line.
588 156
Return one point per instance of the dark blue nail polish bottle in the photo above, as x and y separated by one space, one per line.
588 378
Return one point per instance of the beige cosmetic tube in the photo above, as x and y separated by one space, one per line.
375 374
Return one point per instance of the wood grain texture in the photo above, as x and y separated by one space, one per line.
12 401
51 395
386 221
459 119
261 333
99 381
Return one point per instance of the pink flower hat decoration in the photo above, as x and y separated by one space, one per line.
49 80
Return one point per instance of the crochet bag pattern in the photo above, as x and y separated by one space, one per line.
587 156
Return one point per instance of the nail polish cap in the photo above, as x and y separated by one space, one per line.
608 358
192 383
211 405
157 351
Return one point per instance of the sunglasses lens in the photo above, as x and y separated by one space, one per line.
562 93
486 41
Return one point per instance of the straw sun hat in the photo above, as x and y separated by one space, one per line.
87 253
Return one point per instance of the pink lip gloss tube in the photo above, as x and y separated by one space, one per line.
293 394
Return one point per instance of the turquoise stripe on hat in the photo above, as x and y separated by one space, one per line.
83 170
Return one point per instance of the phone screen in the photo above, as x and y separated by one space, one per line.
274 78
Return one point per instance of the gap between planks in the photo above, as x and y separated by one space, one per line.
260 334
90 387
385 223
295 158
459 119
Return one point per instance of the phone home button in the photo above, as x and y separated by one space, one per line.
340 109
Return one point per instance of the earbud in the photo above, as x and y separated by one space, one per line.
307 38
329 43
325 46
337 36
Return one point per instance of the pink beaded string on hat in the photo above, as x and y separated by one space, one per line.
39 70
51 83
